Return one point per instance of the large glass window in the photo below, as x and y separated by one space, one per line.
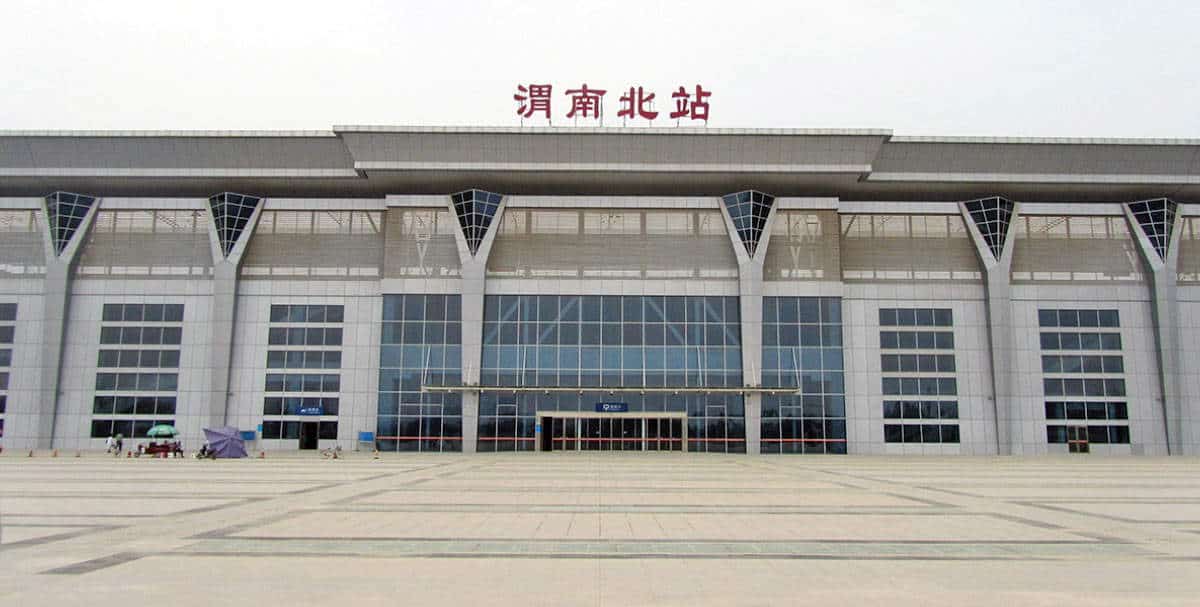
594 342
918 375
8 316
802 352
421 344
1067 372
133 370
311 395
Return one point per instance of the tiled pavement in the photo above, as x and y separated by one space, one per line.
588 529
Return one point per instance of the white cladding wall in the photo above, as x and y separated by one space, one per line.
20 420
1189 377
363 309
864 390
82 346
914 275
1138 350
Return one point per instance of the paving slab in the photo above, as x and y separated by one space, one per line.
601 529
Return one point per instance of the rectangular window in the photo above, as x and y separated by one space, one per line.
1105 421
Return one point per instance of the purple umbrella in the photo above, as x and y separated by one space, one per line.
225 442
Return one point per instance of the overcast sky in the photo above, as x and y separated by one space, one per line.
918 67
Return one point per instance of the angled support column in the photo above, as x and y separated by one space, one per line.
1154 224
477 211
748 219
234 217
988 221
68 219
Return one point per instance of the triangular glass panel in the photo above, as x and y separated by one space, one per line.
475 210
65 211
1157 219
992 216
231 213
749 211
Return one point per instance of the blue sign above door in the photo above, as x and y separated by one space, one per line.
612 407
311 410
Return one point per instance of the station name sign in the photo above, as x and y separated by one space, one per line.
612 407
636 103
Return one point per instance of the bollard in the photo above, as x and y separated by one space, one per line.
30 453
128 454
77 453
54 453
262 455
377 454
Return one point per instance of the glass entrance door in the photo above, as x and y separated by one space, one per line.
1077 439
612 434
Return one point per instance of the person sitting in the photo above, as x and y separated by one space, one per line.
177 449
206 452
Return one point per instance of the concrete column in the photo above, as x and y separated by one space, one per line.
56 306
223 315
750 305
750 299
474 279
1163 274
997 273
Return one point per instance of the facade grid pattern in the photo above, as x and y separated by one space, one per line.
1083 379
802 350
8 319
231 213
137 378
919 382
303 406
420 345
1157 220
749 211
592 342
992 216
475 210
65 212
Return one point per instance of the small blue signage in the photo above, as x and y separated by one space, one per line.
612 407
312 410
537 428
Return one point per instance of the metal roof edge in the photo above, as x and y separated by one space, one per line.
209 134
604 130
1045 140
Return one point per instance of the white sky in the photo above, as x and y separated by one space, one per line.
1084 68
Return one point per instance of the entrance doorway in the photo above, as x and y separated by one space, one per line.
1077 439
560 431
308 435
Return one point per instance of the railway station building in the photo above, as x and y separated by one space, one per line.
773 291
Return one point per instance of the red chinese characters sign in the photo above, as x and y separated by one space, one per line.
586 102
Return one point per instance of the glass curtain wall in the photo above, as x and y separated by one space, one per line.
421 344
802 350
597 342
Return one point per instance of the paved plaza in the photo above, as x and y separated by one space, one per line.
599 529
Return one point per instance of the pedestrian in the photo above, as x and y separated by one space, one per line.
109 444
120 444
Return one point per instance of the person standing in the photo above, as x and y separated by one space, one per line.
109 444
120 444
